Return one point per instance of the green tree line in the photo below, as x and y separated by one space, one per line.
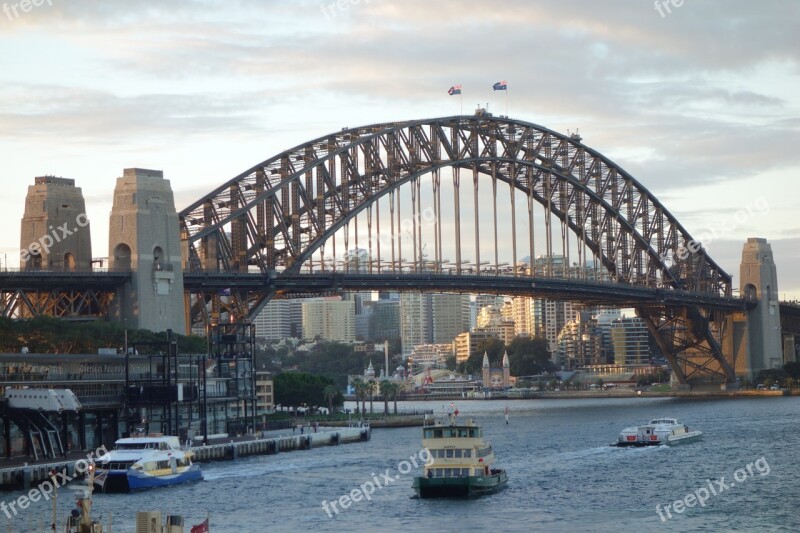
57 336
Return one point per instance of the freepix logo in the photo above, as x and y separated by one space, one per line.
366 490
713 488
15 10
56 235
45 489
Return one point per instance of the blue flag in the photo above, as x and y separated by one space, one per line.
500 86
455 89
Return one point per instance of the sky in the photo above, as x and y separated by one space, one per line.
700 101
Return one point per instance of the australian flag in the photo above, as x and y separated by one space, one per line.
455 89
500 86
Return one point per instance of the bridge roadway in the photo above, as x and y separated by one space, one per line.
607 293
309 284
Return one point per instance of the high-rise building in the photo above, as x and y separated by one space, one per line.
416 320
481 301
549 317
580 343
385 320
522 309
450 316
330 319
280 319
630 339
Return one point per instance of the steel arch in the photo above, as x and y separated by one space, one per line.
279 212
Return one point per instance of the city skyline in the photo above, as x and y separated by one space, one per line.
204 94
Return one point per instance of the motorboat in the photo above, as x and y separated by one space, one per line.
658 431
143 462
460 463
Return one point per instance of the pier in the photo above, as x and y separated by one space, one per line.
28 474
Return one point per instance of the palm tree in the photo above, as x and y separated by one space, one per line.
385 390
361 390
329 393
371 392
394 390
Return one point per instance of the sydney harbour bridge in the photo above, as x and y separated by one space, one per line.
475 204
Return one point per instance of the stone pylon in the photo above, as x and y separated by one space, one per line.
758 282
144 238
55 229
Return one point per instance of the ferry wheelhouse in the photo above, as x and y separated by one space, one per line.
143 462
461 461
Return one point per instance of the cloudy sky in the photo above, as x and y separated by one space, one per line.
700 102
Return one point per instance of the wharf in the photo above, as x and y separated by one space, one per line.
18 474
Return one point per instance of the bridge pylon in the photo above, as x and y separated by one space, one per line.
144 239
758 284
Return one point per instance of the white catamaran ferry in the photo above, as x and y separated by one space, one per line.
143 462
658 431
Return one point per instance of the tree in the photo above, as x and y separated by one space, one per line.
494 348
330 393
528 356
793 369
385 390
361 389
298 388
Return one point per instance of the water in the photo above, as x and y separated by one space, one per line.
563 476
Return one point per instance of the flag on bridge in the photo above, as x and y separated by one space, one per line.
500 86
455 89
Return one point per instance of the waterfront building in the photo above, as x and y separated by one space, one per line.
265 399
110 411
631 341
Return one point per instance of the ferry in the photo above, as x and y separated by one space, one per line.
143 462
461 461
659 431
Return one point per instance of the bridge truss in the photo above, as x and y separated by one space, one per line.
387 199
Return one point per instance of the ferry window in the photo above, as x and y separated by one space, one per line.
465 472
428 433
449 454
437 433
458 454
467 453
472 433
462 432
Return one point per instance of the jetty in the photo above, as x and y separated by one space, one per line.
20 474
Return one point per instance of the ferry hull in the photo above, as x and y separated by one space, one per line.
134 480
687 438
464 487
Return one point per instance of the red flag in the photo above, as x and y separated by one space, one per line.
201 528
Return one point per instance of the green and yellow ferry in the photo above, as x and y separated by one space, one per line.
460 462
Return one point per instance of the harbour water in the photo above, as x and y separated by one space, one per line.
563 474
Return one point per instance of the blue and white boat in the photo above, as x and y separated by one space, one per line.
144 462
